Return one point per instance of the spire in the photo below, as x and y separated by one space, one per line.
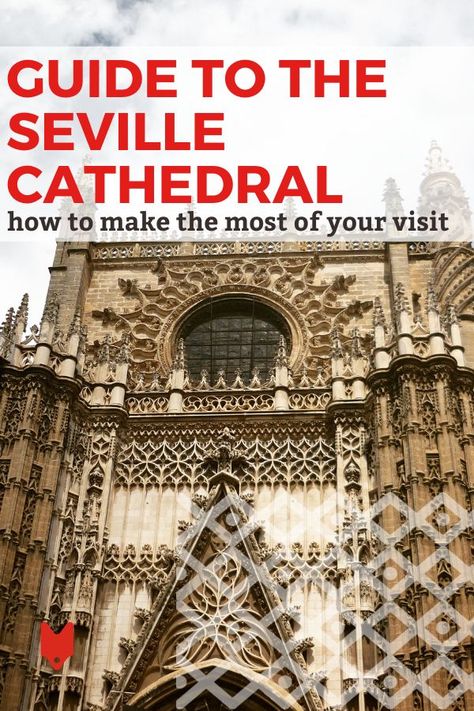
379 316
7 325
401 307
392 198
437 346
22 313
51 309
441 191
75 325
401 302
381 356
6 333
21 320
435 161
49 318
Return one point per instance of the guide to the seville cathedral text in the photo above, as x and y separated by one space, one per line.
236 355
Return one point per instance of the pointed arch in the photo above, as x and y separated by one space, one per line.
224 681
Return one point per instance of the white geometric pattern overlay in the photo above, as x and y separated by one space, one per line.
390 681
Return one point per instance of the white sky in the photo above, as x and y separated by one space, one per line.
341 23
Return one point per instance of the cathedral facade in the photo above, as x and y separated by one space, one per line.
244 470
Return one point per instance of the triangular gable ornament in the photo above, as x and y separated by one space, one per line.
219 617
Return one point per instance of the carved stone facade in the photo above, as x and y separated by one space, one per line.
304 537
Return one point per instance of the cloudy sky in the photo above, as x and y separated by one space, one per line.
313 23
154 22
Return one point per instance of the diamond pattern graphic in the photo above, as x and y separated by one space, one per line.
391 580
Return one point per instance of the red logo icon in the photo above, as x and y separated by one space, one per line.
57 647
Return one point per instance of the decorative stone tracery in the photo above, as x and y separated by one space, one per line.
311 306
349 468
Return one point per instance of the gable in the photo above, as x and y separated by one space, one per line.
219 607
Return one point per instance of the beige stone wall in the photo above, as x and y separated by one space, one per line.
119 482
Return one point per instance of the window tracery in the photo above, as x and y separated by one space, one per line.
232 335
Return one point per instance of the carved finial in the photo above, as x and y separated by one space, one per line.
321 376
356 350
433 304
169 380
123 355
392 198
336 344
302 645
8 324
281 359
271 382
255 381
379 316
223 457
221 381
7 333
227 436
139 382
451 315
22 313
401 302
103 355
59 341
179 361
187 382
75 325
82 338
238 383
204 380
51 310
155 382
435 162
127 644
304 380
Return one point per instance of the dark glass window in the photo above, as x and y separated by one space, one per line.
231 335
